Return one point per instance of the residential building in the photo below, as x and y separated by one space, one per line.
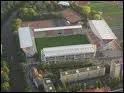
82 73
27 42
68 53
36 77
100 33
115 69
48 85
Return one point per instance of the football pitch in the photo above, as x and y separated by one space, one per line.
60 41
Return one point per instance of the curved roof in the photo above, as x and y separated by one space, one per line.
69 50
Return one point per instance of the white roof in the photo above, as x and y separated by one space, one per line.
58 28
69 50
25 37
48 81
65 3
101 29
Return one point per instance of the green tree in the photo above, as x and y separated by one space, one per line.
17 24
4 76
86 10
97 17
5 69
5 86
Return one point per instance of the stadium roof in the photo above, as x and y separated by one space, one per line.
25 37
58 28
69 50
101 29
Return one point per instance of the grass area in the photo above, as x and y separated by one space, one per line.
60 41
113 14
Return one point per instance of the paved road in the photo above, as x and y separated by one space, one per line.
10 50
118 90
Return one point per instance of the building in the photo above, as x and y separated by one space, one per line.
71 16
27 42
36 77
48 85
53 28
64 3
58 31
68 53
100 33
82 73
115 69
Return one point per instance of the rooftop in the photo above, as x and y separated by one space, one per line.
101 29
74 71
69 50
57 28
71 16
39 24
49 85
25 37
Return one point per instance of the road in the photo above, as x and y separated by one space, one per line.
10 50
118 90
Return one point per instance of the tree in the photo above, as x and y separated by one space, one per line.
5 86
4 76
86 10
85 86
97 17
17 24
5 69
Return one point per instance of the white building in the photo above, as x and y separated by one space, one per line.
27 42
64 3
115 69
82 73
48 85
68 53
101 33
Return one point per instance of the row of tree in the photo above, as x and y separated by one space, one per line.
8 7
5 80
87 12
35 10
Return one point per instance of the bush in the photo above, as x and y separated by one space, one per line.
97 17
5 86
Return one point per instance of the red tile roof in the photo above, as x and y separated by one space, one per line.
71 16
39 24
